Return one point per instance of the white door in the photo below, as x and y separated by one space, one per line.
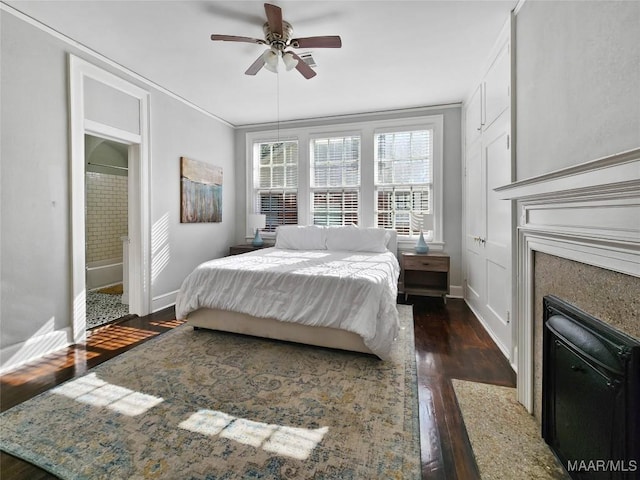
475 226
488 219
497 241
497 87
473 117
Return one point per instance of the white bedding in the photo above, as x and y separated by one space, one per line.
353 291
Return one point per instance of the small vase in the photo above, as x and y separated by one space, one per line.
257 240
421 246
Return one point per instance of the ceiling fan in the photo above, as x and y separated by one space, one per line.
277 34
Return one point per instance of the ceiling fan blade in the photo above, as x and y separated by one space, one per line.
329 41
274 17
306 71
255 66
235 38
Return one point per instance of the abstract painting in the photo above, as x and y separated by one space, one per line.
201 191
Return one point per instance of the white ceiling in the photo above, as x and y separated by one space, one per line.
395 54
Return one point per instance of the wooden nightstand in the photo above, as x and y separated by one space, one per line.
247 247
424 274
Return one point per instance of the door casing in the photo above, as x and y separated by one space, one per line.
139 192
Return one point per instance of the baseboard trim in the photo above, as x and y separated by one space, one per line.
34 348
163 301
455 291
488 330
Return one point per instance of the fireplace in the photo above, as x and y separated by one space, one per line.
578 238
590 393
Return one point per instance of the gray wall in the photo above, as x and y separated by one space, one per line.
35 262
452 165
578 82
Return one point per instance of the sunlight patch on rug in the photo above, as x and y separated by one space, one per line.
210 405
93 391
293 442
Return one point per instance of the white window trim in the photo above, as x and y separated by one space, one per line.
251 200
366 130
357 188
405 239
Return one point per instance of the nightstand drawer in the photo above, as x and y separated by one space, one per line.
425 262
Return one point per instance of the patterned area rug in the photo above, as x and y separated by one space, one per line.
506 439
103 308
209 405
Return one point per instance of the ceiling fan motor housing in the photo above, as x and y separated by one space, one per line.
276 41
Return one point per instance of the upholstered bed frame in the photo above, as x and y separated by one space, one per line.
236 322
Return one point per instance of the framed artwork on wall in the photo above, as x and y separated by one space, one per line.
200 192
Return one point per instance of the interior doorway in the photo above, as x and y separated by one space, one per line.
109 108
106 230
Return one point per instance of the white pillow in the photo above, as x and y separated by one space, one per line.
297 237
355 239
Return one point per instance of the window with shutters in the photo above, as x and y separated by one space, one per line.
403 178
381 173
335 180
275 182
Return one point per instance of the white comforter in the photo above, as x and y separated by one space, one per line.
354 291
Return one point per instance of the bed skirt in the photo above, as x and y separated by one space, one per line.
242 323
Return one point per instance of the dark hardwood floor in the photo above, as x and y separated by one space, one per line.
450 343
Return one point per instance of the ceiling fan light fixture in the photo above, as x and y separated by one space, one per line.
289 61
278 37
270 58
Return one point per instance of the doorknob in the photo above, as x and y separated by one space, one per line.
479 240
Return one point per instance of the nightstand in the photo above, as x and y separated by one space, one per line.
424 274
244 248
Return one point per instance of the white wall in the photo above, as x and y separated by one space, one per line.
452 164
35 263
578 83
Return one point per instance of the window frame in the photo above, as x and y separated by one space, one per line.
256 176
366 129
311 170
403 186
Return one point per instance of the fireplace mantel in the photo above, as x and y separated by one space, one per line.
589 213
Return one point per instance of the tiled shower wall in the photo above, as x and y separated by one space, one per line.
106 215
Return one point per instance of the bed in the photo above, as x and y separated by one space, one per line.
333 287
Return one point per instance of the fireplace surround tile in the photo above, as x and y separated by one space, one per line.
609 296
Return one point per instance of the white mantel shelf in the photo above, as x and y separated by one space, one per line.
589 213
619 172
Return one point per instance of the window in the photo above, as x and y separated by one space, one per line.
335 180
369 173
403 178
275 182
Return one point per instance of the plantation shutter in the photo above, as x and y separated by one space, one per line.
403 178
276 183
335 180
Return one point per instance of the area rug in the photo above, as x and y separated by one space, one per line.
208 405
505 438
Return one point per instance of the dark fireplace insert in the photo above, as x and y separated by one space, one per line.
590 394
